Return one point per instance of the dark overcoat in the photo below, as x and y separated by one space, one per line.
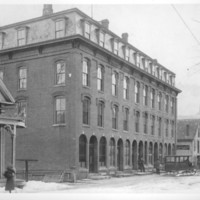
10 179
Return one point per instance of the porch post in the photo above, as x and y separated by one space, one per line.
13 136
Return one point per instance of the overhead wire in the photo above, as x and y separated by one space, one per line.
185 24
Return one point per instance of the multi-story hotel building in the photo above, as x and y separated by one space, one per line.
89 98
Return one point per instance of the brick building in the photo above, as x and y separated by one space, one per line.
91 99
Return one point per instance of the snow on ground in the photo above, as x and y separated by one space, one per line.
135 184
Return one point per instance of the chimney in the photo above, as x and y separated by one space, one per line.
47 9
105 23
125 37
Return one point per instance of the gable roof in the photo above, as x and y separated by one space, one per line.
181 128
5 96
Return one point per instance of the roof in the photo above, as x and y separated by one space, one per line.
85 16
5 96
181 128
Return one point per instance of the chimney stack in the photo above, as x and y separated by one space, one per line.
105 23
125 37
47 9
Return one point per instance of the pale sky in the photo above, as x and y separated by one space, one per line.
156 29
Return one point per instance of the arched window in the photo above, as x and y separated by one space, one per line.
112 152
85 72
127 153
160 101
82 151
125 87
100 117
145 122
86 110
145 95
137 121
137 92
126 117
114 83
115 117
60 73
100 78
102 152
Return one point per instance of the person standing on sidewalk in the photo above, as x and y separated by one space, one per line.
157 166
9 174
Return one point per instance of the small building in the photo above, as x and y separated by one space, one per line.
188 139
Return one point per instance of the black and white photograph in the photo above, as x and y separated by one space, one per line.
100 99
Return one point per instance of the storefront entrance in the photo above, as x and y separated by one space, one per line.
93 155
120 155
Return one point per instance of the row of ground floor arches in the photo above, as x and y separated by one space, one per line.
120 154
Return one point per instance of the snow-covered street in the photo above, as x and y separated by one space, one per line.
135 184
141 186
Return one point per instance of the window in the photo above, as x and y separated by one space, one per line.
166 103
159 126
116 47
137 92
85 73
82 151
127 153
125 87
86 110
126 114
158 72
135 58
100 114
138 60
114 83
59 110
87 30
172 105
127 54
22 109
160 101
101 39
115 117
21 37
60 73
166 127
145 122
1 74
102 152
112 152
60 28
152 124
187 130
143 64
137 121
100 78
153 98
2 37
150 67
22 78
172 128
145 95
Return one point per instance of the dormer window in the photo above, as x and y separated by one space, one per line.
150 67
87 30
187 130
116 47
2 36
127 53
21 39
60 28
22 35
101 38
